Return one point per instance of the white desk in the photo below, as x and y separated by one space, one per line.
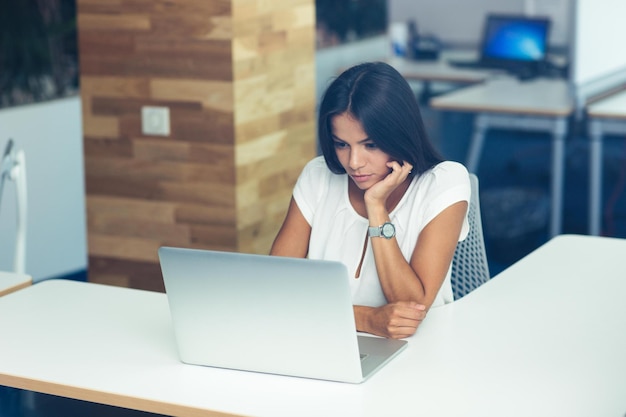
607 116
12 281
438 71
504 102
546 337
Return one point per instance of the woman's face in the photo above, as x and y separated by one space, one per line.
363 161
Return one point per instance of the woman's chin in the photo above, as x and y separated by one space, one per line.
363 185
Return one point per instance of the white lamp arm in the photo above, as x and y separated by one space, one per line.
18 174
13 167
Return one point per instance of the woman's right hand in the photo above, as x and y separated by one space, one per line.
394 320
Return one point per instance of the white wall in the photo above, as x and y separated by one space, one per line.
599 30
329 62
50 134
560 11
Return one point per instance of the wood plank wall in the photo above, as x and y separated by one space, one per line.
238 78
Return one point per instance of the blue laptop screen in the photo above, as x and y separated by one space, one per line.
515 38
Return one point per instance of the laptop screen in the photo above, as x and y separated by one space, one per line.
515 38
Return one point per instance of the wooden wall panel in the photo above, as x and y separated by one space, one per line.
273 61
238 78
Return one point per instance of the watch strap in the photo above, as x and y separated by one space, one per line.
379 231
374 231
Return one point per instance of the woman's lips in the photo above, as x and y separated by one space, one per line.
360 178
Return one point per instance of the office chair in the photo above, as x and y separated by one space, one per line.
469 264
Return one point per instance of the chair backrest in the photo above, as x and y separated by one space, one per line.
469 264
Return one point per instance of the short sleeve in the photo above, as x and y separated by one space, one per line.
448 183
309 188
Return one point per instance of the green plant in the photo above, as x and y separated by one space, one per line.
37 44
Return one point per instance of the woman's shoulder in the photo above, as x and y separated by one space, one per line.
439 187
450 168
316 166
446 172
316 174
314 186
318 170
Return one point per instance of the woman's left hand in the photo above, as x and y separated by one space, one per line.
380 191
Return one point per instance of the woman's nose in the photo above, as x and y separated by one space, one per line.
356 159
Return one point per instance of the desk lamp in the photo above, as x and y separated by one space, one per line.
13 168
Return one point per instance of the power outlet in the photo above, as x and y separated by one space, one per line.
155 120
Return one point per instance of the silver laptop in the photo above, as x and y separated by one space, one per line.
268 314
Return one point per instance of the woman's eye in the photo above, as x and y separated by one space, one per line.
371 145
340 145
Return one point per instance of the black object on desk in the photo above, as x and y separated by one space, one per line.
422 47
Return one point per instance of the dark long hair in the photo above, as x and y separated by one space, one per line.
379 97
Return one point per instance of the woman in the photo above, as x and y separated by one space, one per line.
380 200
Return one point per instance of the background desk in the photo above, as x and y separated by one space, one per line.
505 102
438 71
11 281
607 116
544 338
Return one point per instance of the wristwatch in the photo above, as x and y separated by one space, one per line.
386 230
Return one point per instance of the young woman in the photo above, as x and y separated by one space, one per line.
380 200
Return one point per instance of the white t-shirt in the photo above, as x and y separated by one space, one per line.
338 231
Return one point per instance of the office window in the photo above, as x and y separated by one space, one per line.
340 21
38 51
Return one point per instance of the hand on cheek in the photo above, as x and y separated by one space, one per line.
401 170
397 173
383 189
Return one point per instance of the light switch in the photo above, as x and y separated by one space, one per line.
155 120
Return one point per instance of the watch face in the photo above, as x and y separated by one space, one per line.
388 230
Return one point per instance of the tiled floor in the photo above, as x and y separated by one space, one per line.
511 161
